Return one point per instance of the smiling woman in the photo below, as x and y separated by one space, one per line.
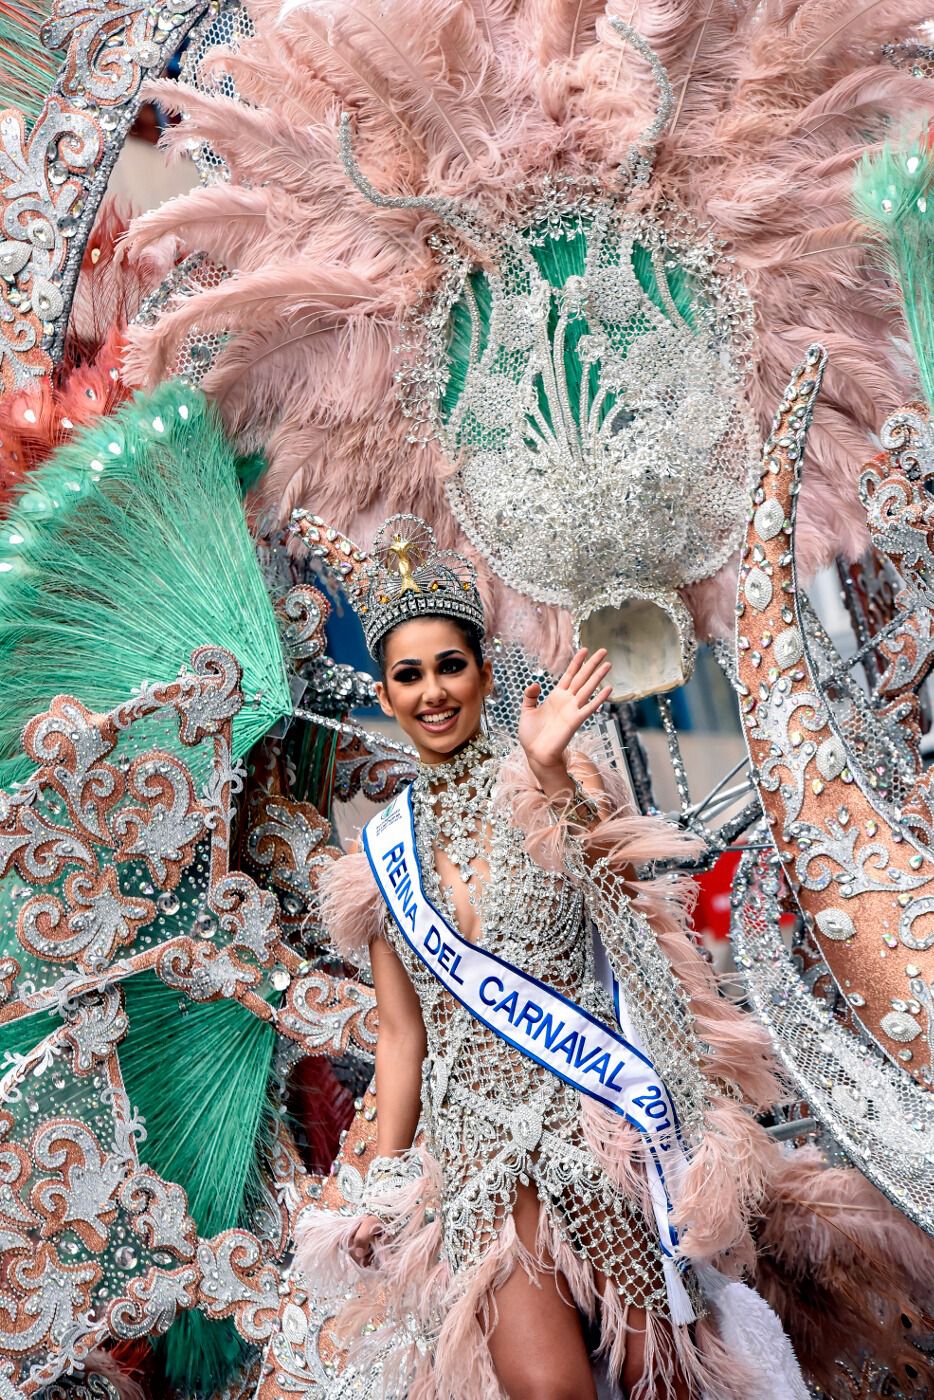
569 1128
434 684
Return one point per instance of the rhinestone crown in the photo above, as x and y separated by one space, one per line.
403 576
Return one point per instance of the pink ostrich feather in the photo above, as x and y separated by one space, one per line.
842 1266
352 909
774 104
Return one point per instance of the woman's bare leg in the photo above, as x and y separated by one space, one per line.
634 1363
537 1345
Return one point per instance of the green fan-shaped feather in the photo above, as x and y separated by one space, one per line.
205 1119
119 557
894 198
27 67
198 1074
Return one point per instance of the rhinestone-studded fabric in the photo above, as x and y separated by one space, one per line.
881 1118
115 876
599 403
853 861
220 28
492 1117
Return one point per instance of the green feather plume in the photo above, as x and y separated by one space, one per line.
894 198
219 1088
199 1074
27 67
205 1120
122 554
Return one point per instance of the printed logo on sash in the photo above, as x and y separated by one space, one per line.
536 1020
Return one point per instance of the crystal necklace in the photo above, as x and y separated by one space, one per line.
451 802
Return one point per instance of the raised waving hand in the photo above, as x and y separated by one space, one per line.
546 727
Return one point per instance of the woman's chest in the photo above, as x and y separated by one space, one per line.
505 905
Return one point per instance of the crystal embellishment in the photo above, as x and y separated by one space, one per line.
900 1026
580 408
402 577
835 924
757 589
768 519
831 758
788 647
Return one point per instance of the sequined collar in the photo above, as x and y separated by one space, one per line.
451 803
480 749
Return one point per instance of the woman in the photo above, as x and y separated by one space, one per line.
539 1215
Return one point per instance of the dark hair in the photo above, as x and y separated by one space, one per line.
473 639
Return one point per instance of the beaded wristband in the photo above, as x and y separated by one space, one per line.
386 1175
580 808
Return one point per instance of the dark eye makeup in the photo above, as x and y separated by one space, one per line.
448 666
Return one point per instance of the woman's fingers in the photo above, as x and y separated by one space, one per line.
599 676
600 699
361 1245
577 660
584 678
531 694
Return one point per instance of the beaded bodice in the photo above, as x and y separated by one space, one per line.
492 1116
526 914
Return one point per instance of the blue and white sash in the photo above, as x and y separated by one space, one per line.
536 1020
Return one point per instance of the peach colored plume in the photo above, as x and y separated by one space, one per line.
775 101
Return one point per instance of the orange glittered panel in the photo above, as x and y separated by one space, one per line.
864 883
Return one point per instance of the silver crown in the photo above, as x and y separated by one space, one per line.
403 576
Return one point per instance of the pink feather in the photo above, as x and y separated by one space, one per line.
352 908
774 104
565 27
842 1265
228 222
312 294
101 1362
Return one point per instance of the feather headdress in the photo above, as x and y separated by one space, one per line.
466 106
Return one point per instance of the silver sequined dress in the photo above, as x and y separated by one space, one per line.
492 1117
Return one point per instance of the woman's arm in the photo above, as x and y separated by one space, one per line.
400 1051
546 727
